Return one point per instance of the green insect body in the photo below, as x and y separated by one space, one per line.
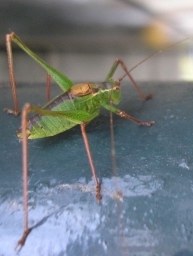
81 108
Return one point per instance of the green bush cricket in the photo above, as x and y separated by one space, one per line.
78 104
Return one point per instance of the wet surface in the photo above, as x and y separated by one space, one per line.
147 208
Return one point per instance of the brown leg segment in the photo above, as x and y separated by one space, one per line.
134 119
27 230
15 110
137 87
91 162
127 116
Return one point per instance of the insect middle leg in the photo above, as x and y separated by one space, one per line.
91 162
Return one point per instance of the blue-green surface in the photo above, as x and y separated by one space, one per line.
154 175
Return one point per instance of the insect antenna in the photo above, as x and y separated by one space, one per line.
48 87
113 150
112 138
117 194
154 54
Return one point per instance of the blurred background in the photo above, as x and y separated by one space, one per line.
82 38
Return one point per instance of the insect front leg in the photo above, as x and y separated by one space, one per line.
123 114
91 162
113 69
134 119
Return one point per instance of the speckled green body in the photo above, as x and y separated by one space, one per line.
41 126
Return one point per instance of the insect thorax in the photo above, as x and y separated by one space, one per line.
83 89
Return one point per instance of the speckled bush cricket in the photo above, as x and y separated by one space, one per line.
78 104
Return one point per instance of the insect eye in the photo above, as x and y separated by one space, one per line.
116 88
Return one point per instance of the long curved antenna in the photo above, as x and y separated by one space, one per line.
154 54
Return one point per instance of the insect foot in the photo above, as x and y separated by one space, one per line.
148 123
98 192
21 242
149 96
11 112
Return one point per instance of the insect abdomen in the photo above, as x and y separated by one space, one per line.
46 126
